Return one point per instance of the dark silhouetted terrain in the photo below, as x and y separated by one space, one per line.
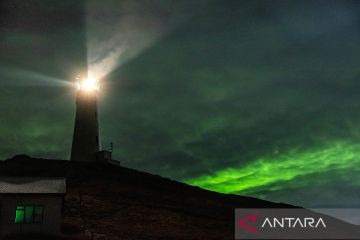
114 202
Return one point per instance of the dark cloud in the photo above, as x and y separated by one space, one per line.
225 93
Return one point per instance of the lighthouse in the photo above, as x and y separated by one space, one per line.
86 139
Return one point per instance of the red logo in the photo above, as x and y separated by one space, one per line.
252 219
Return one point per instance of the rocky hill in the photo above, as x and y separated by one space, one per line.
112 202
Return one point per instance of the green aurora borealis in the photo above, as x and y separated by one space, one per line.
258 98
271 169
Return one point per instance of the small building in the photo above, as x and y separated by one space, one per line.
105 156
31 205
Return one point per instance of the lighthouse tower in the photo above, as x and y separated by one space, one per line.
86 142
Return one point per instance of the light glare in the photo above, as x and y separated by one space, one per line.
88 84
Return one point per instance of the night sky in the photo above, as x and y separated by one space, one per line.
258 98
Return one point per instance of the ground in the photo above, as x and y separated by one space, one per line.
104 201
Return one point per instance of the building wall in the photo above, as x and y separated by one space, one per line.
86 139
52 215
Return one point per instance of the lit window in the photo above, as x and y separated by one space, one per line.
20 214
29 214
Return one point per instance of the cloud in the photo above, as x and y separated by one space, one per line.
246 97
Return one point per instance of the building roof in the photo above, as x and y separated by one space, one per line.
32 185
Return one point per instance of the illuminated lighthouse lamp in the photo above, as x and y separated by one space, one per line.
87 84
